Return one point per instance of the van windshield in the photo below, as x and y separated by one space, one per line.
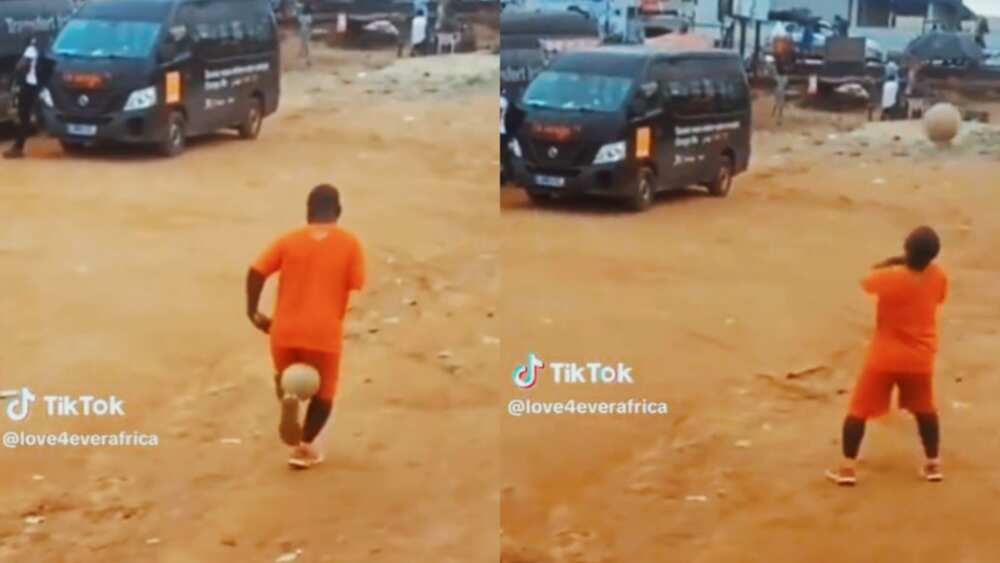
571 91
107 39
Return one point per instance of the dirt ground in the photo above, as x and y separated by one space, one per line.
123 274
746 316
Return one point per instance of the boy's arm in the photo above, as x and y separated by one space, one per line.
255 286
356 273
875 282
890 262
267 264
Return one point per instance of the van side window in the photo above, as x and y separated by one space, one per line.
238 33
679 97
711 96
660 75
260 28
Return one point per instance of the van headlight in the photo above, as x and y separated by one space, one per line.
141 99
611 152
46 97
515 148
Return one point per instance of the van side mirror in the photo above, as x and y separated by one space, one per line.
173 44
649 90
646 97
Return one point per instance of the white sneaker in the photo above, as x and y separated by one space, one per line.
931 471
305 456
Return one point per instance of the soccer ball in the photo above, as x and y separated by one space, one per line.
942 122
301 380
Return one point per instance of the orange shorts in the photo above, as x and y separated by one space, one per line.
873 393
327 363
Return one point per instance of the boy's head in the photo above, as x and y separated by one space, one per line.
922 247
324 204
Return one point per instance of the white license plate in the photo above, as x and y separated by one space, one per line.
550 181
81 130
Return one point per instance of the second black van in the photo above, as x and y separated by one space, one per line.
160 71
628 122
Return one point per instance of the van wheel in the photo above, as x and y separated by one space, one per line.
250 128
645 190
176 134
723 182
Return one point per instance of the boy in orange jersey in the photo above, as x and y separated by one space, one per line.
319 265
909 290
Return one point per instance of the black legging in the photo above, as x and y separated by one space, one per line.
316 416
927 425
26 99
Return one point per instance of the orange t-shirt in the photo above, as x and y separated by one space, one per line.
906 328
319 265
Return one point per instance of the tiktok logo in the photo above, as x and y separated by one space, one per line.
526 376
20 403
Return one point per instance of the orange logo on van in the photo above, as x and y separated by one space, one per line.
560 133
90 81
642 143
173 87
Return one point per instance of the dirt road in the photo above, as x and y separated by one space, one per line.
123 274
714 303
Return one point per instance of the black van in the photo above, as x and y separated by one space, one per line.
20 21
159 71
525 39
628 122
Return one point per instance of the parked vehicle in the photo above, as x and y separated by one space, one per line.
629 122
161 71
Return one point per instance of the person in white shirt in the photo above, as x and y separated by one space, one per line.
890 97
418 33
305 21
28 88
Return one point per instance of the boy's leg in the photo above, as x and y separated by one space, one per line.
916 394
289 427
872 397
930 433
320 407
853 434
316 417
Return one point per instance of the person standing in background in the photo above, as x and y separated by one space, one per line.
982 30
28 77
841 26
780 96
305 31
418 33
808 39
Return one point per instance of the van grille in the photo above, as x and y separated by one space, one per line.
99 102
549 153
